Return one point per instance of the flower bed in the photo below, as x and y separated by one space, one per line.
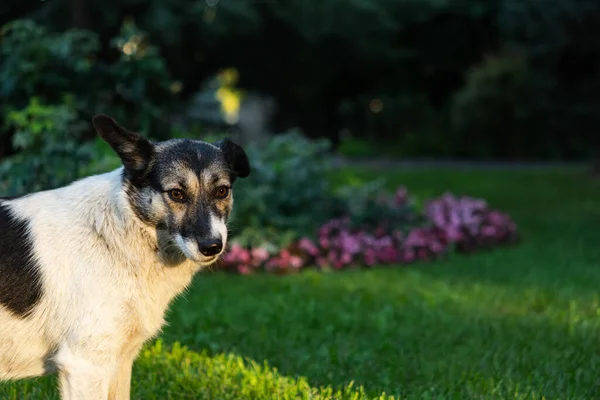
446 223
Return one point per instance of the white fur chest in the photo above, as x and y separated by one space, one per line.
150 296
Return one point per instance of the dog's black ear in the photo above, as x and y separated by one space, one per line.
135 151
236 157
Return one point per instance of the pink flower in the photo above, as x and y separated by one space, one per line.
388 255
308 246
349 243
489 230
454 234
346 258
259 254
244 269
273 263
295 262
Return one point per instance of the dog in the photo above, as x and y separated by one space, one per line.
88 270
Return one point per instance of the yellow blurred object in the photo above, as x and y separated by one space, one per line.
229 97
175 87
129 48
230 103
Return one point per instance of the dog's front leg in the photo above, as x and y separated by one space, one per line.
84 383
83 375
120 385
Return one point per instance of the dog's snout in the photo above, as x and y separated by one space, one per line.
210 247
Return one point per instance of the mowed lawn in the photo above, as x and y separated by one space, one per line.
514 323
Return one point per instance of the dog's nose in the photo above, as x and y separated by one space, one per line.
210 247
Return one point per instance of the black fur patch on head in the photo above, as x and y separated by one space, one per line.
135 151
195 155
235 156
20 277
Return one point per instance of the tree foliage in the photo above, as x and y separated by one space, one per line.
325 62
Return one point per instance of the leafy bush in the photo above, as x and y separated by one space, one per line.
369 207
50 86
36 62
140 91
286 195
133 84
47 137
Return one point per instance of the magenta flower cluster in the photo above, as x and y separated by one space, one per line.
464 224
470 223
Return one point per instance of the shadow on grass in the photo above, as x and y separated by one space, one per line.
400 331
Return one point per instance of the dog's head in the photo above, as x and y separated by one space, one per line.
180 187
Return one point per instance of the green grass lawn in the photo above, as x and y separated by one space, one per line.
518 323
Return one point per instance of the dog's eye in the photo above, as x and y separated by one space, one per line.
221 192
176 195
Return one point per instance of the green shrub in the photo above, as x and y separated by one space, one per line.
50 86
50 154
36 62
287 193
132 84
140 90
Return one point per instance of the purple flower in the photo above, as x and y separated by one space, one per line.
489 230
346 258
308 246
259 255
